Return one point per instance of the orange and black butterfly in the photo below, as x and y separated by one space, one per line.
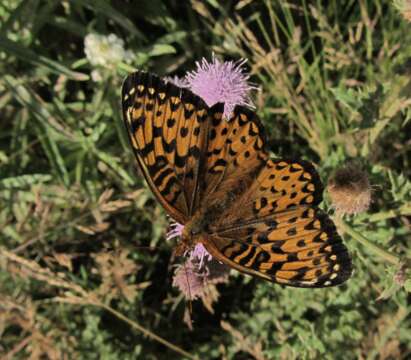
214 176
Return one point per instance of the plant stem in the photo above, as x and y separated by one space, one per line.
146 332
378 250
404 210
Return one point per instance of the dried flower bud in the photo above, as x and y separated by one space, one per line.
349 190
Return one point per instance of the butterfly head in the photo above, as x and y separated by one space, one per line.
187 240
193 231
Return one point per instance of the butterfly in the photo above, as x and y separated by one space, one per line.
258 215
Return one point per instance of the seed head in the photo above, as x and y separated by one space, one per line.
349 190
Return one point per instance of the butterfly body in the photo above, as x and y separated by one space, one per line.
202 223
214 176
193 232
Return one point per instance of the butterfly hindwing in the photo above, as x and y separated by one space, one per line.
167 127
276 231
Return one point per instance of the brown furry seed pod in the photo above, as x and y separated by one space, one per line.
349 190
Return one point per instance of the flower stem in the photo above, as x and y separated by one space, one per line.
404 210
145 331
378 250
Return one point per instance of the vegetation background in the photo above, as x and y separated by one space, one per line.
85 272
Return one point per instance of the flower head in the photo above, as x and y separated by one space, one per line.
180 82
194 280
221 82
175 230
200 269
350 190
106 51
189 280
200 253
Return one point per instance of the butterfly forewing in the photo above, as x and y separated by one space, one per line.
167 127
235 153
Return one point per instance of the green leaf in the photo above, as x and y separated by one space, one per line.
24 181
113 163
348 97
161 49
110 12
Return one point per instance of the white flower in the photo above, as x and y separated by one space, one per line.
105 51
96 76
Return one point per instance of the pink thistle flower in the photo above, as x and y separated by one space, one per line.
200 253
189 280
175 230
194 281
224 82
180 82
199 271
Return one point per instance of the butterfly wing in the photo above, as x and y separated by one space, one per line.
168 128
235 151
268 224
185 149
276 232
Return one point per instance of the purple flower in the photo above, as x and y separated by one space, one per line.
199 270
194 281
200 253
175 230
189 280
224 82
180 82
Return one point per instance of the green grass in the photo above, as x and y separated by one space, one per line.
84 267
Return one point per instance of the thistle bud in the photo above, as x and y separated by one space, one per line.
349 190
